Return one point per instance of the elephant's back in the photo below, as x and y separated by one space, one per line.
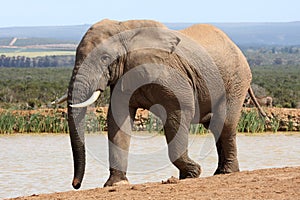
227 56
216 42
206 34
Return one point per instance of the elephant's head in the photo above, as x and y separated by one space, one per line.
101 59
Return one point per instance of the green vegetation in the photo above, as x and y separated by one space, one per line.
272 55
27 122
32 123
281 82
252 122
276 70
27 88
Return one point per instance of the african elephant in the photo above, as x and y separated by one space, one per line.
266 101
197 75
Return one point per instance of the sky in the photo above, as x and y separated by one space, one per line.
73 12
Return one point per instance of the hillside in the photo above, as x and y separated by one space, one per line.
263 34
258 34
241 33
69 33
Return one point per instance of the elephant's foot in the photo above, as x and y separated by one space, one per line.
228 167
116 178
190 172
187 168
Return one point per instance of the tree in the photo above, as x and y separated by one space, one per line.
278 61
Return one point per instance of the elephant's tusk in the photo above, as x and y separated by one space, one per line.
88 102
60 100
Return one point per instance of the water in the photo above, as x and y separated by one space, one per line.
35 164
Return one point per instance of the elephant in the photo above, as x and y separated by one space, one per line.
196 75
266 101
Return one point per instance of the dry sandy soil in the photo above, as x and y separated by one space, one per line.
282 183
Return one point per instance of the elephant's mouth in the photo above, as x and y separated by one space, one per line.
89 101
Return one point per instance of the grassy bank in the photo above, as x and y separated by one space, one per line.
55 121
32 123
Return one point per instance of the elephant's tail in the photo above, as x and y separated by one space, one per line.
261 111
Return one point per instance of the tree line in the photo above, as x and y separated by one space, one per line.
41 61
272 56
256 56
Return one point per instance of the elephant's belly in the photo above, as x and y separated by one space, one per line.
202 110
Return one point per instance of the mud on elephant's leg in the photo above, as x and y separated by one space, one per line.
119 141
177 139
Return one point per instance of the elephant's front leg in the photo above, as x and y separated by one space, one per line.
119 131
176 131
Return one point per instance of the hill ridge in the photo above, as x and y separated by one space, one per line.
249 33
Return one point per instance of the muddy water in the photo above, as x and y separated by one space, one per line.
34 164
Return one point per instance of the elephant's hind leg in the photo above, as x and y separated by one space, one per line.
227 153
176 132
226 146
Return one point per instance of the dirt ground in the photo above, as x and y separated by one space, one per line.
281 183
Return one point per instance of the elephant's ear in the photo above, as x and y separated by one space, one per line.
154 38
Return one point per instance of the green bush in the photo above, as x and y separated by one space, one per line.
281 83
32 123
251 122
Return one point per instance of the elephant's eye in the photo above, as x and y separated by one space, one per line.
105 59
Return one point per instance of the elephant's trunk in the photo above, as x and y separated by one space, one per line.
85 85
76 126
78 92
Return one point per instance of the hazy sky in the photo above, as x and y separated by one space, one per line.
71 12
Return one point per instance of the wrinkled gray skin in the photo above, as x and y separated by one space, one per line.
196 80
